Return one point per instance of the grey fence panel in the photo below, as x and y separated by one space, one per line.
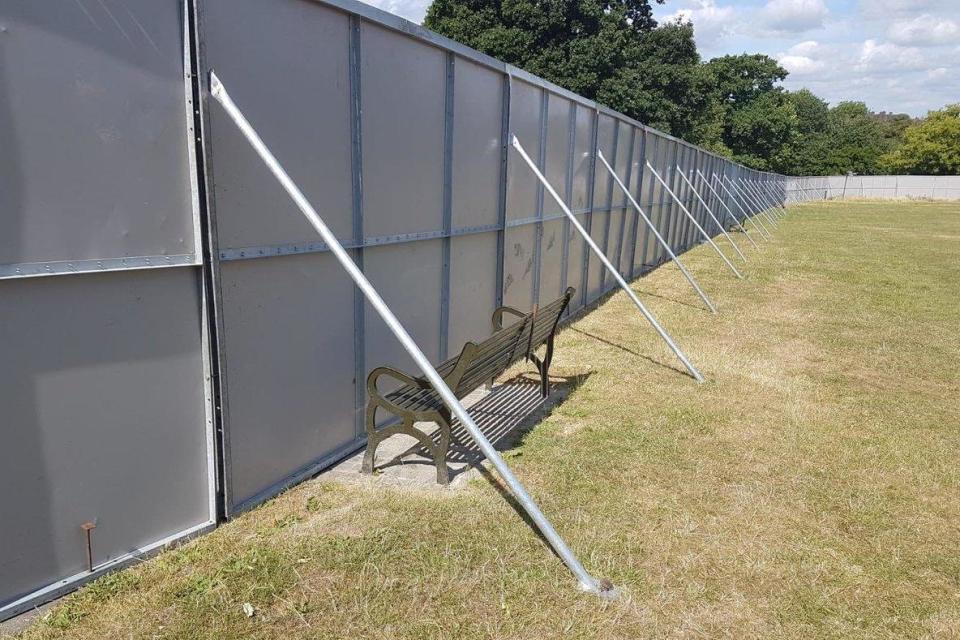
104 422
407 275
600 208
551 261
473 288
285 405
403 107
518 266
632 226
523 197
680 188
252 210
663 198
673 219
619 222
607 144
558 161
475 167
103 364
87 179
651 198
289 369
641 249
558 150
478 106
801 189
582 159
582 171
526 106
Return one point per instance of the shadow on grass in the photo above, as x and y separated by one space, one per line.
505 416
649 359
642 292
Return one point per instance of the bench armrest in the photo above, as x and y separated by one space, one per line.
396 374
498 316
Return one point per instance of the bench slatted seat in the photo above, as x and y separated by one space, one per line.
417 401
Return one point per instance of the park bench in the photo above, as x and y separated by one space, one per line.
417 401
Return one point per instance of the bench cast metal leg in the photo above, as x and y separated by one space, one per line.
437 450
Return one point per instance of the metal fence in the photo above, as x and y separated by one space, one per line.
177 344
884 187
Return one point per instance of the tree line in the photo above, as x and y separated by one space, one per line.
614 52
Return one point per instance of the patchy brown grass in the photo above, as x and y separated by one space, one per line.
808 489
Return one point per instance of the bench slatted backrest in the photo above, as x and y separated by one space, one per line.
546 320
535 329
494 355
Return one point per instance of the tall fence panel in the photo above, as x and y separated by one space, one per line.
107 421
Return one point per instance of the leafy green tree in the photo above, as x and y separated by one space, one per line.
740 79
756 118
930 147
813 113
665 86
614 52
806 150
758 130
608 50
578 44
856 140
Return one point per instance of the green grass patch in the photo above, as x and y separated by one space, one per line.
809 489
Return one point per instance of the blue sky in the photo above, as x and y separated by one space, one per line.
895 55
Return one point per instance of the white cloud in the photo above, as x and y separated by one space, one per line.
711 22
412 10
885 9
803 58
800 65
805 48
924 31
794 16
881 57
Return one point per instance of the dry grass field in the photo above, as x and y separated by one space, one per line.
809 489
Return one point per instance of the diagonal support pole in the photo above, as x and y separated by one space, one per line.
587 582
752 201
710 212
755 189
768 208
765 192
730 213
694 221
663 243
752 219
741 199
606 262
771 209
